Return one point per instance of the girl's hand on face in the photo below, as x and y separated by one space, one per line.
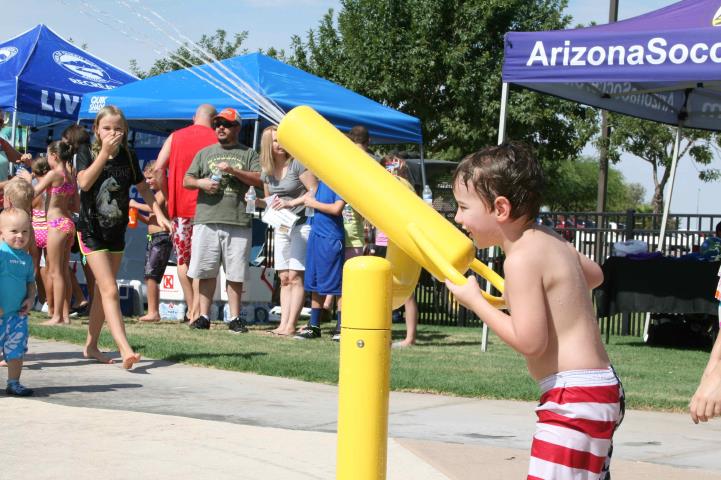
111 142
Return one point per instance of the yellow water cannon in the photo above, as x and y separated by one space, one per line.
418 235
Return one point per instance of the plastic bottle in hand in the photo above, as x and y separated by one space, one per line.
427 195
250 198
215 176
133 217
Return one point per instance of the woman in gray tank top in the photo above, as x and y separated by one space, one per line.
289 181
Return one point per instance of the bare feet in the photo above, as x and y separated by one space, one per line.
131 360
150 318
89 352
3 363
403 344
57 321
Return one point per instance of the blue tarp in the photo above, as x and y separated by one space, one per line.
175 96
41 73
663 66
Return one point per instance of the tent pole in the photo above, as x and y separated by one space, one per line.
423 164
502 121
14 126
256 128
672 177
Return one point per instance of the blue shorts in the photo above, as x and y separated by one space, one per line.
324 265
14 336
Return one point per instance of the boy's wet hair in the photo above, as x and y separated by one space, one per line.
508 170
19 193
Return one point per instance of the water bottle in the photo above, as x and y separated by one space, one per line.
427 195
250 201
347 213
215 176
132 217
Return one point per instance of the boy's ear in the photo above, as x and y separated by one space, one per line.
502 208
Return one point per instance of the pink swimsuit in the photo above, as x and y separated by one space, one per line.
64 224
40 227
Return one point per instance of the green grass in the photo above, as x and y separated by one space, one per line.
447 360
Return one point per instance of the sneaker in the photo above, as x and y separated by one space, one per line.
18 390
308 333
202 323
237 325
335 337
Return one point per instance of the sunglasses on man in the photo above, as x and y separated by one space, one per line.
224 124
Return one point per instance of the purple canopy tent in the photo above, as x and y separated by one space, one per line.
663 66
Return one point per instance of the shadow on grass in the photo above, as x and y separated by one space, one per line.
680 348
49 391
182 357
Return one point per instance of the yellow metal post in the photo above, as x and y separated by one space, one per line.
364 373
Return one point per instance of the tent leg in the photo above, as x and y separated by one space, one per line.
423 165
672 177
14 126
502 121
256 132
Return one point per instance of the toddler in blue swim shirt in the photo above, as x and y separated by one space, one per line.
17 294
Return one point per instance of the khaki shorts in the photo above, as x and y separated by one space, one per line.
215 244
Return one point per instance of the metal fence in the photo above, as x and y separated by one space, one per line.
593 234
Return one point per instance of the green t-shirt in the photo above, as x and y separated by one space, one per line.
227 205
353 224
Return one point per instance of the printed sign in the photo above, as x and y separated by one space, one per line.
6 53
86 72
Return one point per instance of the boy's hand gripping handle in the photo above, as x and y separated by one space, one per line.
423 243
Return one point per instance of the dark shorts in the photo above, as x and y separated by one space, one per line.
157 253
324 265
89 244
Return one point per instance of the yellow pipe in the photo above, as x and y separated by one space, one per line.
363 377
433 242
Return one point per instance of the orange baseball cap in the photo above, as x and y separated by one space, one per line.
229 114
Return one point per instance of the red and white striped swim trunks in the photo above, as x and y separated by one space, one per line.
578 414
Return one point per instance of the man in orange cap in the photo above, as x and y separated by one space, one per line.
222 173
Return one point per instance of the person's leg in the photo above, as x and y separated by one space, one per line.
206 291
411 323
78 296
105 266
186 284
95 326
57 269
182 242
296 298
285 291
153 290
14 328
48 285
89 280
235 291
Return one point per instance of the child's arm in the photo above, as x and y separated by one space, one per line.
149 198
29 299
141 207
335 208
706 402
526 328
45 182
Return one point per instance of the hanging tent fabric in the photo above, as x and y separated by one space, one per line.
41 73
663 66
175 96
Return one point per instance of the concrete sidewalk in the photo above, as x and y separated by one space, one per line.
167 420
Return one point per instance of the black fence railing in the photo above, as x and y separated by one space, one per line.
593 234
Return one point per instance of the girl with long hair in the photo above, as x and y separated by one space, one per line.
105 174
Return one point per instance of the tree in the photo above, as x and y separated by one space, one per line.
440 60
653 142
571 186
217 44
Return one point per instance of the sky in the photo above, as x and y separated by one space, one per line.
272 23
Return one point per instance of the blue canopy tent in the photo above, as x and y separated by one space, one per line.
174 96
41 73
662 66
